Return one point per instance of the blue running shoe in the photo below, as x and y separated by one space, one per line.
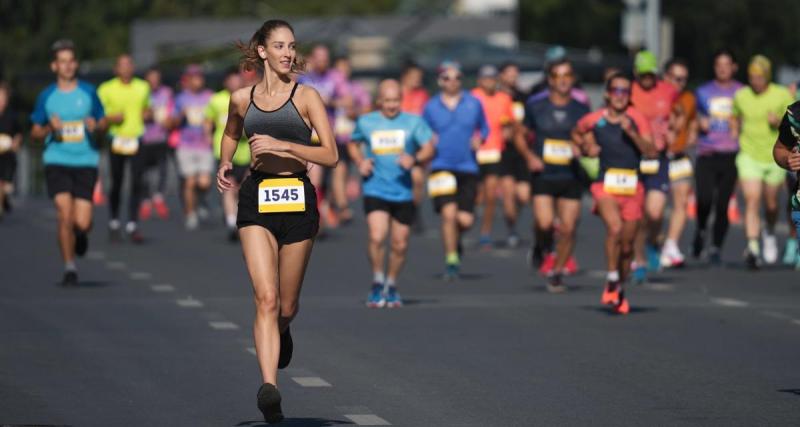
653 258
451 272
639 274
485 243
376 297
393 299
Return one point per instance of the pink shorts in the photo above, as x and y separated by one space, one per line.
631 208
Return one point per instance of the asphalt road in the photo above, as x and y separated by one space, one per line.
160 335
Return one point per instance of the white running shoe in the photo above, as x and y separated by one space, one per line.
192 222
770 246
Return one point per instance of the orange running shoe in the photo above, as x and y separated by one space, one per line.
161 208
610 297
570 267
734 216
98 198
145 210
547 264
623 307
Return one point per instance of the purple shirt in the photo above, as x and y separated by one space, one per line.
330 86
161 103
716 103
193 106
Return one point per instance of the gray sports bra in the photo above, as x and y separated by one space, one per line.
284 123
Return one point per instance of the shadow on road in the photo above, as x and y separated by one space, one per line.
298 422
607 311
794 391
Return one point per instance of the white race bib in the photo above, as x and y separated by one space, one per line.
160 115
649 167
620 182
519 111
387 142
343 126
195 116
5 142
124 145
281 195
720 108
489 156
679 169
72 131
442 184
557 152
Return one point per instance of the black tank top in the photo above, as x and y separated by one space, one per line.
283 123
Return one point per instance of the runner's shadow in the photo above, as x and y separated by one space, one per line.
298 422
88 284
420 301
607 311
794 391
462 276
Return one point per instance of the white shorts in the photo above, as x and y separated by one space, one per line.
192 161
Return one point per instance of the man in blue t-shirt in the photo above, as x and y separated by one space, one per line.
66 115
460 125
385 145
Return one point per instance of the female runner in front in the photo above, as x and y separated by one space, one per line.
278 215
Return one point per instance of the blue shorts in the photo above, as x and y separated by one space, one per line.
658 181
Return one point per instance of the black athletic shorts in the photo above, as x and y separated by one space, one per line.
514 165
8 166
466 192
403 212
287 227
558 189
495 169
77 181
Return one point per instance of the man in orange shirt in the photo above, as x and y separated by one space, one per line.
683 135
498 107
655 99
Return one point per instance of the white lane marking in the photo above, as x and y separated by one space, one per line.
115 265
660 287
367 420
252 350
141 275
730 302
95 255
223 325
163 288
311 382
775 314
189 303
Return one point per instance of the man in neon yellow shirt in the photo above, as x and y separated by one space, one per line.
759 107
216 118
125 99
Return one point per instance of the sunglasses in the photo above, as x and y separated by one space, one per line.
619 91
449 78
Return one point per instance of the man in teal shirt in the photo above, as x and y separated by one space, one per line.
385 145
66 115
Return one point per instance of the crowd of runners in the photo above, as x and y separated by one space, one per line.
290 143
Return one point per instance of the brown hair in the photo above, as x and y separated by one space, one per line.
251 61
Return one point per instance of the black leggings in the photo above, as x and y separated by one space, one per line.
715 180
118 163
154 157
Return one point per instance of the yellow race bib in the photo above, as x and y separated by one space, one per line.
620 182
519 111
124 145
281 195
5 142
387 142
442 184
486 157
557 152
649 167
73 131
681 168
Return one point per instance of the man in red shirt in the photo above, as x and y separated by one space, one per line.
655 99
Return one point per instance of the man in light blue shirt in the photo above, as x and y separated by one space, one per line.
385 145
460 125
66 115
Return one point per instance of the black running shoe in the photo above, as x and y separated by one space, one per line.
536 257
752 261
287 347
233 235
81 242
698 244
269 403
714 257
70 279
555 285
